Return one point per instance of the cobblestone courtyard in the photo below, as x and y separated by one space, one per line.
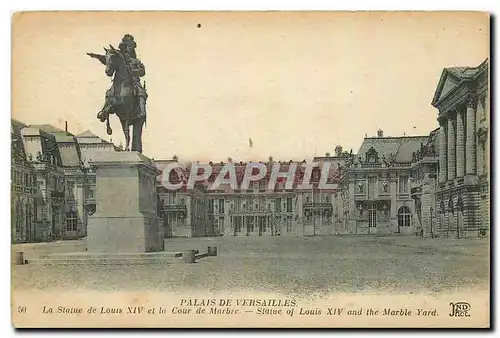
298 266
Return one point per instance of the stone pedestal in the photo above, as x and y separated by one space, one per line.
126 219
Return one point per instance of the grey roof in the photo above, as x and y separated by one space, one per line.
69 155
64 138
401 147
16 126
86 133
48 128
89 137
384 146
408 146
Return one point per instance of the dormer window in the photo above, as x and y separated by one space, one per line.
371 156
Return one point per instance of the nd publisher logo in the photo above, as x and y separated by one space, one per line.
460 309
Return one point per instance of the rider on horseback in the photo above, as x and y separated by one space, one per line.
137 70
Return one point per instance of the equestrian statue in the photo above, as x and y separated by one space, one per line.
127 96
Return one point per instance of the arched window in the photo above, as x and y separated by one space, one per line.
404 216
450 205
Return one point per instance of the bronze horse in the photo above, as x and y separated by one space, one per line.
121 98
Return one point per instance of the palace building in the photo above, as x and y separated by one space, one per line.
377 186
462 100
52 182
255 210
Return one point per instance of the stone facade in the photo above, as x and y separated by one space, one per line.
184 212
52 182
23 189
255 211
462 195
376 187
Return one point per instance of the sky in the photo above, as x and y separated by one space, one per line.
296 83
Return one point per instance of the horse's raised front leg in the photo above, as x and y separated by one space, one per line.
137 135
126 132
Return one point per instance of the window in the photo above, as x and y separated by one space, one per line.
71 221
237 203
316 173
237 224
403 184
289 204
277 204
404 216
262 223
28 217
250 224
170 200
262 185
221 206
26 179
450 206
35 211
19 218
289 224
372 217
210 205
221 225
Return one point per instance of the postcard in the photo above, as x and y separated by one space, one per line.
226 169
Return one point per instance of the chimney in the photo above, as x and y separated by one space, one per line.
380 133
66 126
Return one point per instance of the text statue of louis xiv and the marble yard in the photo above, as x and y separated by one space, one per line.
400 213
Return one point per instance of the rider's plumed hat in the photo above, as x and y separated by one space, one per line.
128 40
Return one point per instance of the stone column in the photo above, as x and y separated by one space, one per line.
460 144
471 136
443 167
452 168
